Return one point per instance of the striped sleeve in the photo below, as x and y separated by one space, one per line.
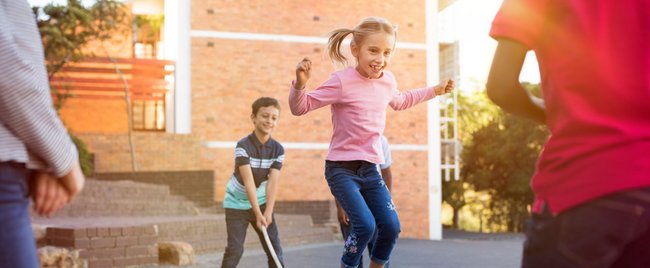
241 156
277 164
28 117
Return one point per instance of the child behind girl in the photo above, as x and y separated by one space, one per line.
358 97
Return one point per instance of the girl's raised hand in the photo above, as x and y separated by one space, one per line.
303 70
444 87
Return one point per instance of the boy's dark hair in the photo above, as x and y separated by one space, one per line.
265 102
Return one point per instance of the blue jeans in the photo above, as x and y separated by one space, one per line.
345 231
611 231
237 222
362 193
17 245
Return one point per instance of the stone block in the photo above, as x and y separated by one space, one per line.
176 253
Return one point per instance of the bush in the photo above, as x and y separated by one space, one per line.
85 157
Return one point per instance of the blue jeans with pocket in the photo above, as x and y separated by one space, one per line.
611 231
237 222
17 245
362 193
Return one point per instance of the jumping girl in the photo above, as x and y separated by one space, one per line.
358 97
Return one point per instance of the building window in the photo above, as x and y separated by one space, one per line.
147 36
148 115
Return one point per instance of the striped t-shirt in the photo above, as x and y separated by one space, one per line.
261 158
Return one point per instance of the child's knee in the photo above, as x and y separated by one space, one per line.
236 250
365 229
390 229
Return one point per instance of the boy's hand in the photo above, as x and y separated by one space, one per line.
48 193
303 74
269 217
261 221
444 87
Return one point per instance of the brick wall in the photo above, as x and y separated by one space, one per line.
154 151
196 186
115 246
299 18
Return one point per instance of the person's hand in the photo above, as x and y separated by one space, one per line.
48 193
268 215
261 221
342 216
73 181
444 87
303 73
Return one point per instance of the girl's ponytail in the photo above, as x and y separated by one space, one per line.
334 45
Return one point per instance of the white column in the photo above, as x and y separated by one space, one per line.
433 123
178 48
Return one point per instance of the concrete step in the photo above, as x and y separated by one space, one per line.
126 198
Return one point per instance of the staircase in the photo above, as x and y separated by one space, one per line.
111 205
126 198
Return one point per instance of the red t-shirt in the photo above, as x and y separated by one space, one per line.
594 59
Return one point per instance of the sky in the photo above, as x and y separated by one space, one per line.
468 22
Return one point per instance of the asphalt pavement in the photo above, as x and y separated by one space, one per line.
456 250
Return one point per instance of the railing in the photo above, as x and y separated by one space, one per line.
147 81
98 78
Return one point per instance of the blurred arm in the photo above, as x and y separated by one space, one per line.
503 86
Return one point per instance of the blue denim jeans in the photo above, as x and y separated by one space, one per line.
612 231
362 193
237 222
345 231
17 245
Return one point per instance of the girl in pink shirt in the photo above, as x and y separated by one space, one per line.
358 97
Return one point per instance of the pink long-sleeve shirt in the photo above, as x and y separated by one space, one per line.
358 107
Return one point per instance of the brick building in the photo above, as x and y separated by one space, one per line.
228 53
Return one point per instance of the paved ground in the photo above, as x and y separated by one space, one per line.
457 250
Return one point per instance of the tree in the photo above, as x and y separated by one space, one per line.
453 193
67 29
500 160
474 111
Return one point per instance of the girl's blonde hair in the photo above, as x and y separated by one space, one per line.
366 27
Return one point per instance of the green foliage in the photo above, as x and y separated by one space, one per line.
66 29
148 27
500 160
453 193
475 110
85 157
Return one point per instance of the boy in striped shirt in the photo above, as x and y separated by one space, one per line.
251 191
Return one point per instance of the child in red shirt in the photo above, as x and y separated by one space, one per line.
592 182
